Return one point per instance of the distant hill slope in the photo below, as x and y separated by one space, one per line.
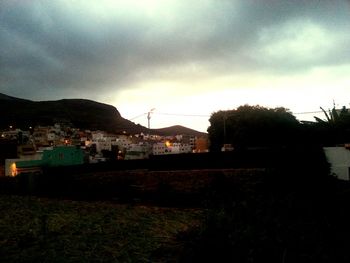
80 113
6 97
177 129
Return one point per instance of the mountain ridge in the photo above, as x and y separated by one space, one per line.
178 129
7 97
80 113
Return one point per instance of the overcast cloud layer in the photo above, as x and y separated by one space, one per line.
203 55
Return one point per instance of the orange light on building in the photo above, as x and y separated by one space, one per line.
167 144
201 145
13 169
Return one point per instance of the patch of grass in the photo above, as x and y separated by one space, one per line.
46 230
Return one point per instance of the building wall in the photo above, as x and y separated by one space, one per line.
58 156
138 151
14 167
201 145
339 158
181 148
40 136
98 135
63 155
123 142
160 148
103 145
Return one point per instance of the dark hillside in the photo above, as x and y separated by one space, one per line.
6 97
80 113
177 129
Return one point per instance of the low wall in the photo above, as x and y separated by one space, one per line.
182 178
179 187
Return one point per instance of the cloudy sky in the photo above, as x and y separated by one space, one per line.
187 59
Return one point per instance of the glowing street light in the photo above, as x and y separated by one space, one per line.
167 144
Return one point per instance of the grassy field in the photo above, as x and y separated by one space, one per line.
284 214
47 230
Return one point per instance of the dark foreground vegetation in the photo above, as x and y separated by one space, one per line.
36 229
290 210
275 221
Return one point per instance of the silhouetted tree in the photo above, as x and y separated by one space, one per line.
335 129
254 126
335 117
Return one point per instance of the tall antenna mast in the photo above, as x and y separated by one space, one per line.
149 118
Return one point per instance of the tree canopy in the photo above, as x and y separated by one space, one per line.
252 126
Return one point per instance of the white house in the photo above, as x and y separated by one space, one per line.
123 142
161 148
171 148
103 145
138 151
98 135
181 148
40 135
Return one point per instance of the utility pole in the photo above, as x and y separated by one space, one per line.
225 117
149 118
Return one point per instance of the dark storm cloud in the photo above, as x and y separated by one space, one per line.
51 49
47 50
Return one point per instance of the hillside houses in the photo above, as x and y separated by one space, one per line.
34 145
161 148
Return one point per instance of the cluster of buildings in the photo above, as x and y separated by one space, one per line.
59 145
28 151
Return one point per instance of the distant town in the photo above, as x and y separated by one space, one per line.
71 132
61 145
